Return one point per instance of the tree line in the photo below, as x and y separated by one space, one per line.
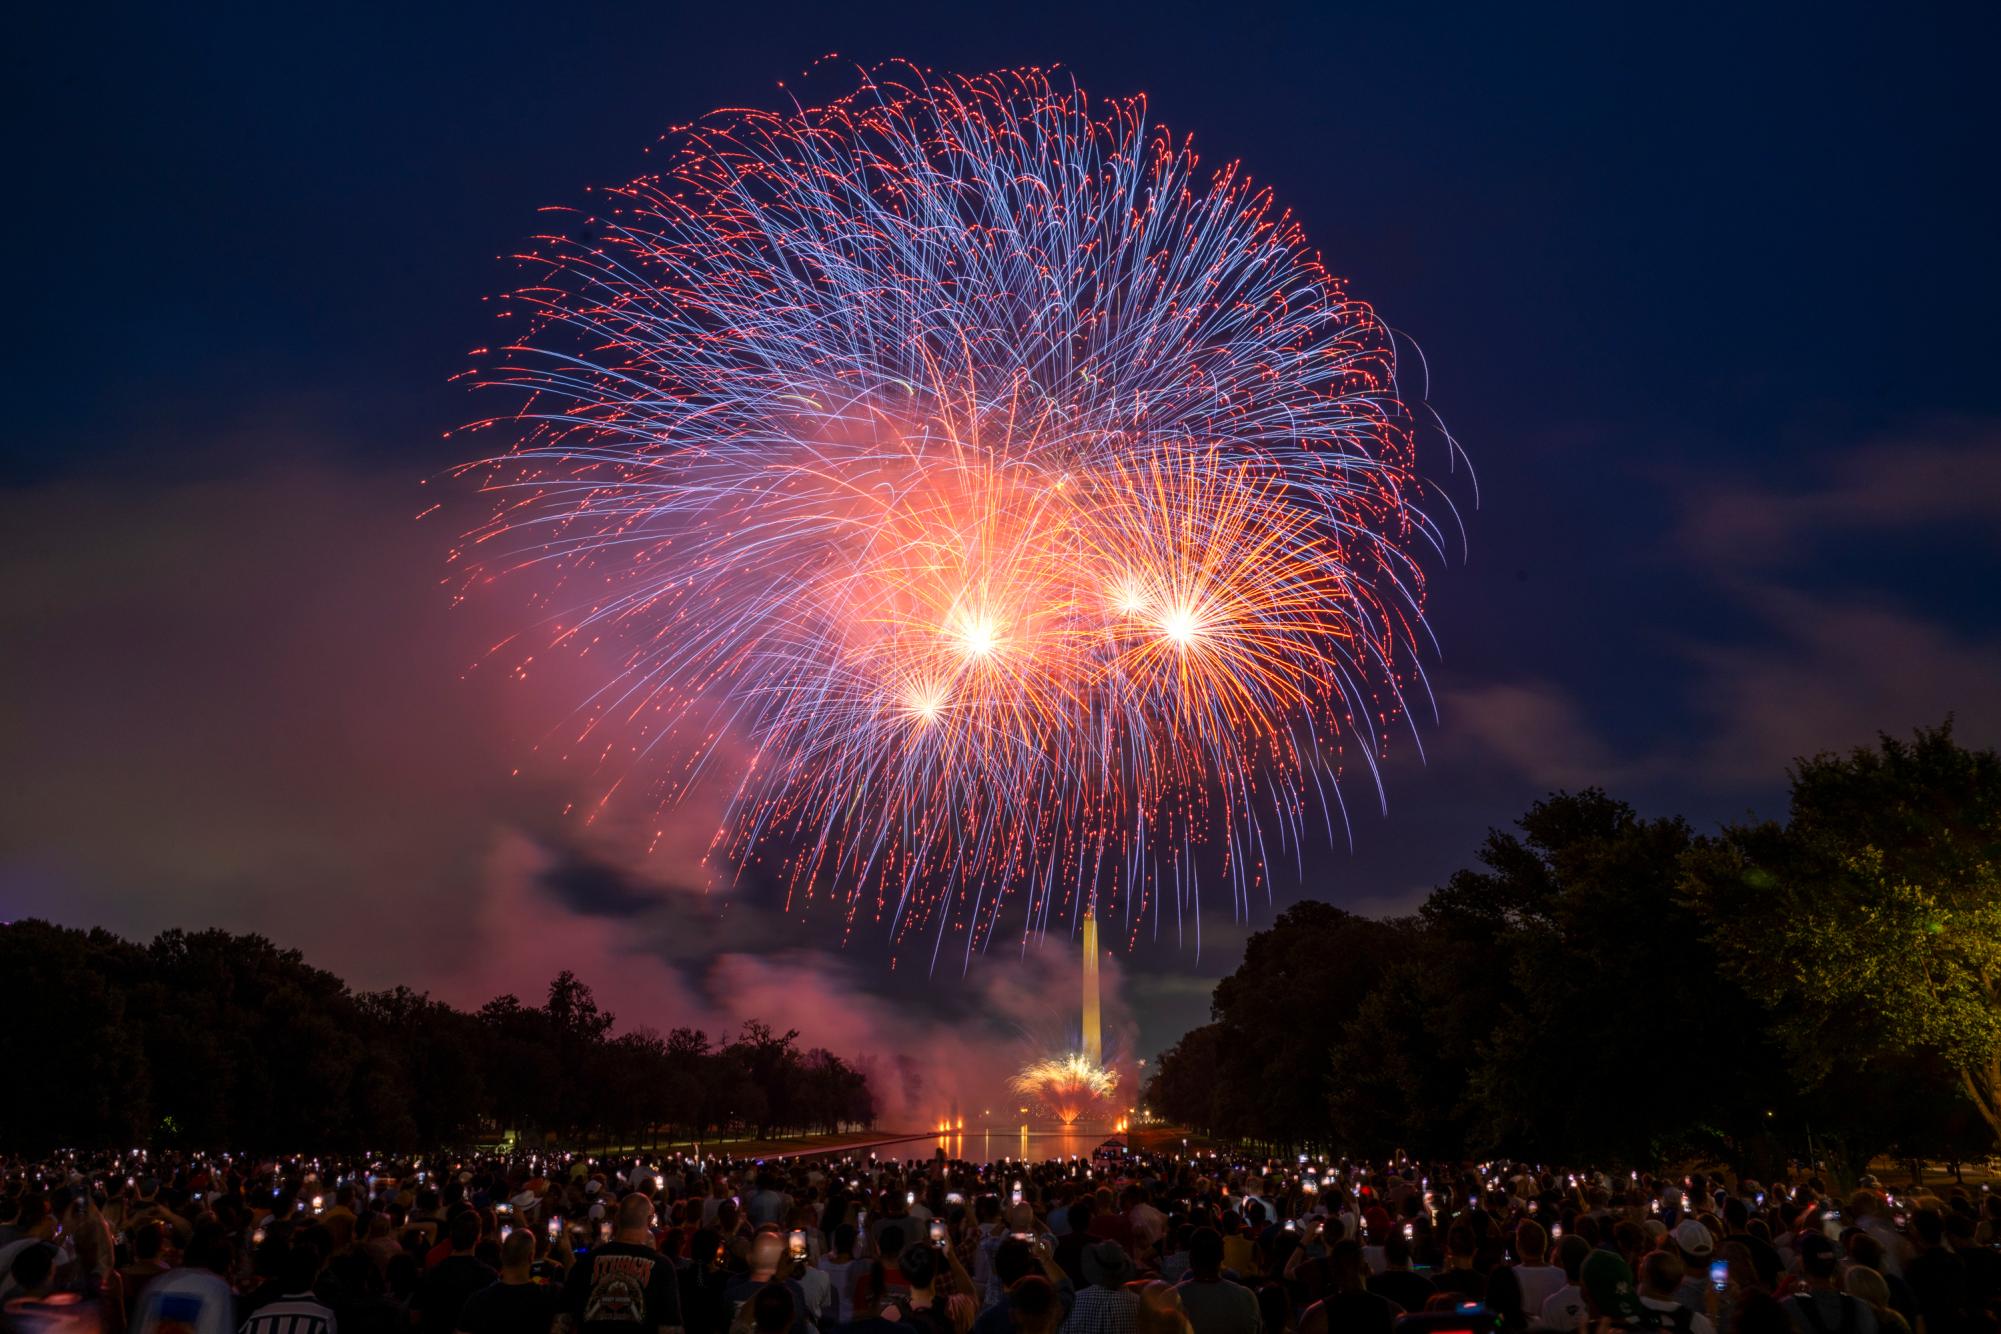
209 1038
1608 988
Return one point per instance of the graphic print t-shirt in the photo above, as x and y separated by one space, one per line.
623 1289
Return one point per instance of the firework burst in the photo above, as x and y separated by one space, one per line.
1025 516
1067 1086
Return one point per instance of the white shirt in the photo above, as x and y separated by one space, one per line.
1563 1311
1539 1284
819 1290
294 1313
841 1280
1698 1323
191 1299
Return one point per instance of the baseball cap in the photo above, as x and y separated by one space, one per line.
1693 1239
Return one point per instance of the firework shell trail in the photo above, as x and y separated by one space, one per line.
1032 514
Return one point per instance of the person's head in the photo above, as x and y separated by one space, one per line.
1459 1243
1693 1242
1661 1272
1205 1251
635 1217
301 1268
705 1248
1345 1272
844 1239
1865 1283
148 1239
1531 1242
1864 1249
463 1232
1571 1253
1274 1308
1033 1306
919 1263
771 1309
767 1253
891 1239
1927 1228
1607 1283
356 1272
34 1269
1081 1213
1819 1259
1160 1311
211 1251
1106 1265
1014 1259
517 1253
1396 1251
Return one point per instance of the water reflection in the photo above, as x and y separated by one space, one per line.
985 1146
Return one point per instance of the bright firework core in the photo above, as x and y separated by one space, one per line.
1067 1086
1016 515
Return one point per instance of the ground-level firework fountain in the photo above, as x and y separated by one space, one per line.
1071 1084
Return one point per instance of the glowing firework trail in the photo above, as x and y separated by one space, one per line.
1037 514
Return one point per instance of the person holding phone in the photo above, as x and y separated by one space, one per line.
1660 1278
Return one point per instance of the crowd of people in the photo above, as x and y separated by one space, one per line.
1120 1243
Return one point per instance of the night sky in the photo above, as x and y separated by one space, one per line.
1707 294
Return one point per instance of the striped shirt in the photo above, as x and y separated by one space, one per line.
294 1313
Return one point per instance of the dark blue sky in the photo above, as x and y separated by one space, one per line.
1707 293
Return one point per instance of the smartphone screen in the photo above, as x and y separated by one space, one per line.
1719 1275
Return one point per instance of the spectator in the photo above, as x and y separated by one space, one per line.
1160 1310
1821 1307
1105 1307
517 1304
840 1268
297 1310
1214 1304
624 1286
1869 1287
195 1299
1539 1280
1349 1307
451 1280
1018 1261
1033 1307
1661 1274
1398 1282
1696 1246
